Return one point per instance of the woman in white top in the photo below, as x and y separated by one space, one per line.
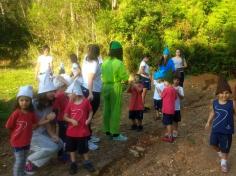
44 63
180 63
144 71
92 83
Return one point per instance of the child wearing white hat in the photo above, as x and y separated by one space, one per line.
20 124
78 114
61 82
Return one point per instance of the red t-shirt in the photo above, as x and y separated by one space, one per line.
168 100
80 113
60 103
136 102
21 125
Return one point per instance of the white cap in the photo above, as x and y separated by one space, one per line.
62 80
75 88
26 91
46 83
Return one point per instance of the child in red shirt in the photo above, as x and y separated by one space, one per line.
21 123
78 114
136 104
61 82
168 106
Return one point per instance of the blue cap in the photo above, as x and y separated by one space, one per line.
166 51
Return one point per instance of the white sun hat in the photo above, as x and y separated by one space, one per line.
46 83
26 91
75 88
62 80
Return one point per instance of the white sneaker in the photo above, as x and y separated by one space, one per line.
92 146
94 139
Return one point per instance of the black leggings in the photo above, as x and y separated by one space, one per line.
96 99
95 102
181 80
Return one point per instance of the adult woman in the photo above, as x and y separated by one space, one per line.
144 71
113 75
45 143
180 64
92 84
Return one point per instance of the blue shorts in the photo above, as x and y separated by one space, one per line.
158 104
167 119
177 117
223 141
146 83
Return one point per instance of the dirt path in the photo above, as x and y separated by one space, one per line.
144 153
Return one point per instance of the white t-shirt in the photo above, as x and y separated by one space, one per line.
94 67
146 67
178 62
159 87
44 64
180 91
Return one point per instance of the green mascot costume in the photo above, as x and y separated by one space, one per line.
114 75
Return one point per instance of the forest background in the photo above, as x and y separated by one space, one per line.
205 30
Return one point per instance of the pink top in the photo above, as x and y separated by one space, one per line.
168 100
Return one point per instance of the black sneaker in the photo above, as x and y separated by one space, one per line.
73 169
89 166
133 127
139 128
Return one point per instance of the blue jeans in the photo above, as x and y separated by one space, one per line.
20 159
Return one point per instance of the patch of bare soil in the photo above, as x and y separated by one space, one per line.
144 154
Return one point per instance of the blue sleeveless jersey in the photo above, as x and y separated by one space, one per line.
223 121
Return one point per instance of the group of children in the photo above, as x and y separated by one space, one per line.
167 95
73 114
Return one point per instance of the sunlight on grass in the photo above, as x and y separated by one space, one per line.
10 81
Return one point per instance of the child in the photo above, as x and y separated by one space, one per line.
159 87
78 114
136 104
168 106
222 120
180 95
44 63
60 102
21 123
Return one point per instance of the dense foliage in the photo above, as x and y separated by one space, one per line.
204 29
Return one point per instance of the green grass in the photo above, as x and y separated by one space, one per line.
10 81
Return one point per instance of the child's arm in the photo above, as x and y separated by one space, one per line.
210 118
11 122
70 120
138 87
89 118
180 92
45 120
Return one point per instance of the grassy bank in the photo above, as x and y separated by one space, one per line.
10 81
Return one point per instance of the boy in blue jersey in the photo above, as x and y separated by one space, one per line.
222 119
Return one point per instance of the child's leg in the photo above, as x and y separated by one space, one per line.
20 160
72 157
139 122
169 130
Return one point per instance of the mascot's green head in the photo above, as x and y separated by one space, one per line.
116 50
